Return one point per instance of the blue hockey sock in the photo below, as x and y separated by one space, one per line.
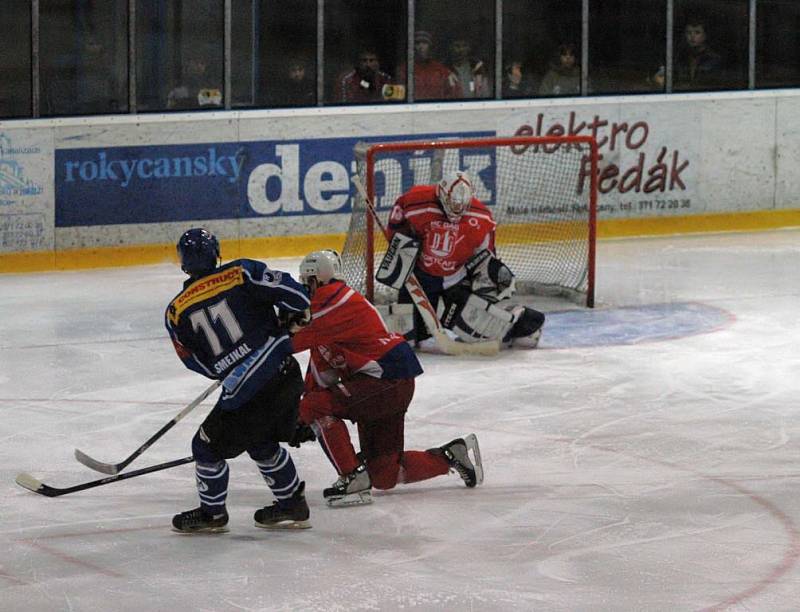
279 473
212 485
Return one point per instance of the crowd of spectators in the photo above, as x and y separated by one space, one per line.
447 66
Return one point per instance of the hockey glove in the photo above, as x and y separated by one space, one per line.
302 433
399 261
489 277
293 321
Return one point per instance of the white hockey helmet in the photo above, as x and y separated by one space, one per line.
324 265
455 193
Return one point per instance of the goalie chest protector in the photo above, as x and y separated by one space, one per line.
446 246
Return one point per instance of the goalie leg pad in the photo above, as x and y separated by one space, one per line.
475 319
399 318
398 262
527 328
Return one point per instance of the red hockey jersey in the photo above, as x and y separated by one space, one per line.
347 336
446 246
433 81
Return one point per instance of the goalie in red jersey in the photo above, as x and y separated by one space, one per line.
360 371
446 236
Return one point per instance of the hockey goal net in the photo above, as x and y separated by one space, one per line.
542 192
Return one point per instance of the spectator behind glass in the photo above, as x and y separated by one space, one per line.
432 79
365 82
564 76
516 84
197 89
296 87
98 90
698 65
472 73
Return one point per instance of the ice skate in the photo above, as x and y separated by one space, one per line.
353 489
457 455
292 513
200 521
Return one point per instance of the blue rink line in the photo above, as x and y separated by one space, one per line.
631 324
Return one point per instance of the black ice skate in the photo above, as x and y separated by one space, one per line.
353 489
200 521
292 515
457 455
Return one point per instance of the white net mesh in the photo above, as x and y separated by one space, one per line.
539 195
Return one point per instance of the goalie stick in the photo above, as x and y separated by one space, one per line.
423 304
37 486
116 468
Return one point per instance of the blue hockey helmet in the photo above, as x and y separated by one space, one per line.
198 250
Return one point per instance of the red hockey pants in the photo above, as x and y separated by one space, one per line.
378 407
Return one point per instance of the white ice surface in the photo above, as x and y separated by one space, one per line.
646 475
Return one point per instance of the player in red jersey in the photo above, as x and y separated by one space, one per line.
455 234
360 371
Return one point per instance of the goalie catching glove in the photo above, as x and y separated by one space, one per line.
399 261
490 277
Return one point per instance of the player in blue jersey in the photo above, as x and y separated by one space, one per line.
230 323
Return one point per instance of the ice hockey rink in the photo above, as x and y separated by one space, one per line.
645 457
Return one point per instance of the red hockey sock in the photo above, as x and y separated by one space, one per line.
335 441
422 465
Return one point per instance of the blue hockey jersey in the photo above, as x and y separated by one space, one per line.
225 326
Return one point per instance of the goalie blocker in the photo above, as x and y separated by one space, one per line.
398 262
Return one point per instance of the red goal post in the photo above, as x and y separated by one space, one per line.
542 192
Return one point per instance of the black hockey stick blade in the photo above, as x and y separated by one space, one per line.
99 466
116 468
37 486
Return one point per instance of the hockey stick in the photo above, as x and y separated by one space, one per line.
116 468
423 304
37 486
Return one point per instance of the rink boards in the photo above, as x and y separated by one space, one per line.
86 192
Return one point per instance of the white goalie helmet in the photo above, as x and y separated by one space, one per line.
324 265
455 193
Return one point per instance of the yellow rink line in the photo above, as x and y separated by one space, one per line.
297 246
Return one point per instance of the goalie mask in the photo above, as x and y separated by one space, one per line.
455 194
323 265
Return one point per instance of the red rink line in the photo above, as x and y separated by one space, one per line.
73 400
13 579
78 534
73 560
791 555
36 543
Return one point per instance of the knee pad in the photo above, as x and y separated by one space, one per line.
315 405
201 449
264 453
383 470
